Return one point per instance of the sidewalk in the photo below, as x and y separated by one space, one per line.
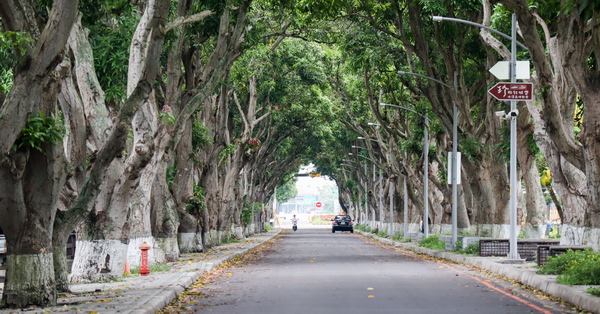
525 273
149 293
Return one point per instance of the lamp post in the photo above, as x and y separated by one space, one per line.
513 253
366 207
391 229
454 161
425 167
380 187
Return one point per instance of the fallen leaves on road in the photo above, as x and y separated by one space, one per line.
187 300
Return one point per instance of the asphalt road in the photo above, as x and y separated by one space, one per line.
316 271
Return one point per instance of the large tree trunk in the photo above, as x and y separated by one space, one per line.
27 223
81 97
489 199
567 181
112 223
32 179
535 206
164 218
144 69
183 190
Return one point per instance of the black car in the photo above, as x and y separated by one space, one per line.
342 223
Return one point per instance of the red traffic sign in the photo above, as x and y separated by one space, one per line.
512 91
319 204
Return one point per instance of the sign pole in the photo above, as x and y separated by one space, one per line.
454 177
513 253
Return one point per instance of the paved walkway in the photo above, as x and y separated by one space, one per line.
146 294
149 293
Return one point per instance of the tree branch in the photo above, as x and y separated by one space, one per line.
187 20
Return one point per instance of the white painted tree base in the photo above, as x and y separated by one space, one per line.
98 260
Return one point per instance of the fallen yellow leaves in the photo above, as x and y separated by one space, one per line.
200 288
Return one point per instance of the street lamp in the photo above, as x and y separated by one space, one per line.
391 194
454 161
364 138
513 253
366 187
425 167
380 185
423 76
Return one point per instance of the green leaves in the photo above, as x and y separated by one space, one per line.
287 191
13 45
39 130
196 204
230 149
110 42
248 211
16 41
200 138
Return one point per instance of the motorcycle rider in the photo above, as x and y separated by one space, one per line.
294 222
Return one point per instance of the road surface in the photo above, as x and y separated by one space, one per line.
315 271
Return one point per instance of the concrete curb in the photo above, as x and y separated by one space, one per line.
528 276
167 294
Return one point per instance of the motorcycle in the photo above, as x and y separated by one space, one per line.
294 227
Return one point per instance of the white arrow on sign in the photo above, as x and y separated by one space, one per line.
501 70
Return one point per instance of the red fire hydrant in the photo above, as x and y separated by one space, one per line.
144 270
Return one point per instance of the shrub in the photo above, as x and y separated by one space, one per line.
382 234
268 227
433 242
594 291
574 267
398 236
471 249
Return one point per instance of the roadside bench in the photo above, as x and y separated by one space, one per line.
527 248
544 251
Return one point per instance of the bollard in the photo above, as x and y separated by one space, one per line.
144 270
